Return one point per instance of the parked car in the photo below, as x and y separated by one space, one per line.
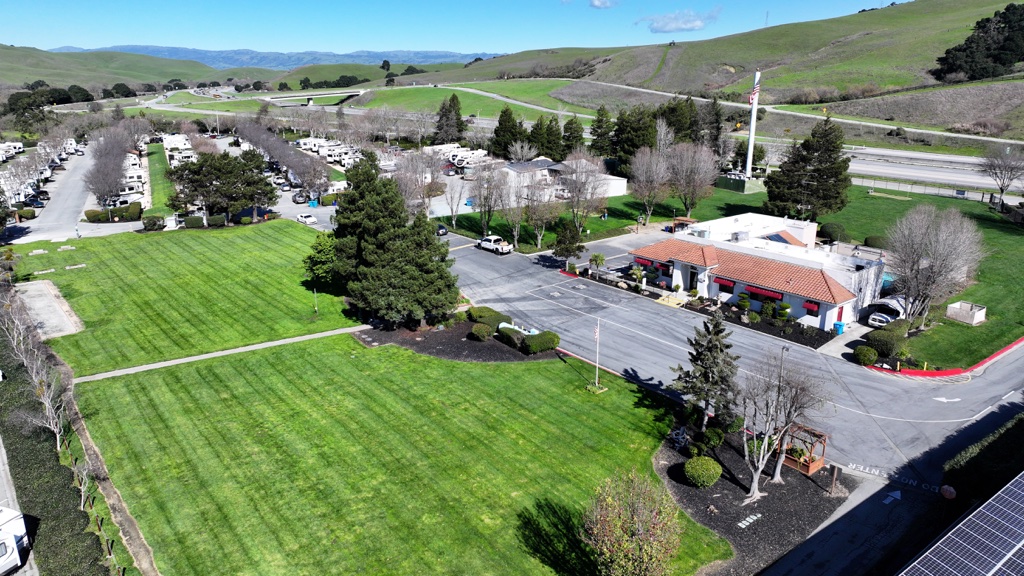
306 219
494 244
300 198
442 230
33 203
42 195
887 310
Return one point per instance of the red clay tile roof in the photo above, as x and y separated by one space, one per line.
803 281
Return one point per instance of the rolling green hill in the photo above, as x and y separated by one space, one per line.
318 72
20 65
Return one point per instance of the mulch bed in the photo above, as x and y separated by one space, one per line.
449 343
788 513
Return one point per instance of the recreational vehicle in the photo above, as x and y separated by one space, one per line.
13 539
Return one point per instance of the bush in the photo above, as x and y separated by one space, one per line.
537 343
328 199
27 214
272 215
743 305
459 317
876 242
194 222
713 438
754 317
900 326
216 221
495 319
134 211
886 343
153 223
481 332
695 449
735 426
834 231
96 215
475 313
510 337
768 309
246 220
865 355
702 471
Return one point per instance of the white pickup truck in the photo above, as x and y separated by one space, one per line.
13 539
494 244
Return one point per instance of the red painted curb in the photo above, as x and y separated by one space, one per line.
569 274
996 355
952 371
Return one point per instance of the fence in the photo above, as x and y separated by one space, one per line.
888 186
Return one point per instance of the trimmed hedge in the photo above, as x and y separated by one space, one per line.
900 326
475 313
216 221
713 437
702 471
27 213
134 211
194 222
481 332
328 199
888 344
735 426
246 220
510 337
537 343
865 355
153 223
834 231
876 242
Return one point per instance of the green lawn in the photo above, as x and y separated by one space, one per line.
429 100
250 105
172 115
160 187
536 92
328 457
185 97
998 282
151 297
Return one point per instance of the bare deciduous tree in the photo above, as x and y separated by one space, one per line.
693 169
47 386
775 395
136 129
540 210
103 179
513 205
521 151
488 188
650 175
664 137
933 255
421 124
414 175
1004 166
584 183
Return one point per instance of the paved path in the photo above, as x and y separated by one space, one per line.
10 500
190 359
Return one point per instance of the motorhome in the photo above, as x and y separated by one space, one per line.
13 539
460 158
18 147
134 175
70 146
132 161
311 144
131 188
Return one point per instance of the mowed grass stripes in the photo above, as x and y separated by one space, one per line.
151 297
329 458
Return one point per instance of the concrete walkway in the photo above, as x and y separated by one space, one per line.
190 359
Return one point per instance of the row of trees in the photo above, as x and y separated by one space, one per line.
310 171
222 184
343 81
110 145
391 268
547 137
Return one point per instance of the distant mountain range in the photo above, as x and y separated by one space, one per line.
222 59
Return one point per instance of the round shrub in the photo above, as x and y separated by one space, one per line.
834 231
134 211
702 471
754 317
876 242
735 426
900 326
459 317
246 220
26 214
713 437
217 221
865 355
886 343
537 343
152 223
695 449
481 332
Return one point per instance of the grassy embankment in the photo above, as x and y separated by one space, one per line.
151 297
328 456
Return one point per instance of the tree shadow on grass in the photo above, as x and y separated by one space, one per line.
552 533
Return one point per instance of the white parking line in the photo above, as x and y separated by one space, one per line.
574 293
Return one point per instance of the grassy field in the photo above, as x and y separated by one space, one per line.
536 92
151 297
319 72
429 100
187 98
20 65
250 105
160 187
165 114
328 457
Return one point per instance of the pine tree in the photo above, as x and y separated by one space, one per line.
377 287
680 115
634 129
538 135
711 377
432 289
812 176
572 135
553 141
450 125
601 130
507 131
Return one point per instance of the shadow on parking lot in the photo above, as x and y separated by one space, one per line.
14 232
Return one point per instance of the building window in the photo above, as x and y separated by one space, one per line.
725 286
812 308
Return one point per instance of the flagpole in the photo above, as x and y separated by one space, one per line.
753 120
597 359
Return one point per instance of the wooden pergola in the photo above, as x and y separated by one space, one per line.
810 439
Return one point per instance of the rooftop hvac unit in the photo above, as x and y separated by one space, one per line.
701 233
740 236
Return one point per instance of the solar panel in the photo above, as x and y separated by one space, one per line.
990 542
777 238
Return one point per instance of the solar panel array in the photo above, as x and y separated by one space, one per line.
989 542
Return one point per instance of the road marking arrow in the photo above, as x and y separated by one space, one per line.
941 399
892 496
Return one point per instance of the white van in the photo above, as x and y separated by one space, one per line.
18 147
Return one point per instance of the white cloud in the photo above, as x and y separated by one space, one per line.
600 4
680 21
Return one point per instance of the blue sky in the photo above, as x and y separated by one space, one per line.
347 25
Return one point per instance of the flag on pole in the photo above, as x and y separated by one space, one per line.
757 88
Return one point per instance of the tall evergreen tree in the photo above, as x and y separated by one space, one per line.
450 125
711 377
429 284
539 134
553 140
508 130
601 130
349 218
710 120
634 129
377 287
812 176
680 115
572 135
